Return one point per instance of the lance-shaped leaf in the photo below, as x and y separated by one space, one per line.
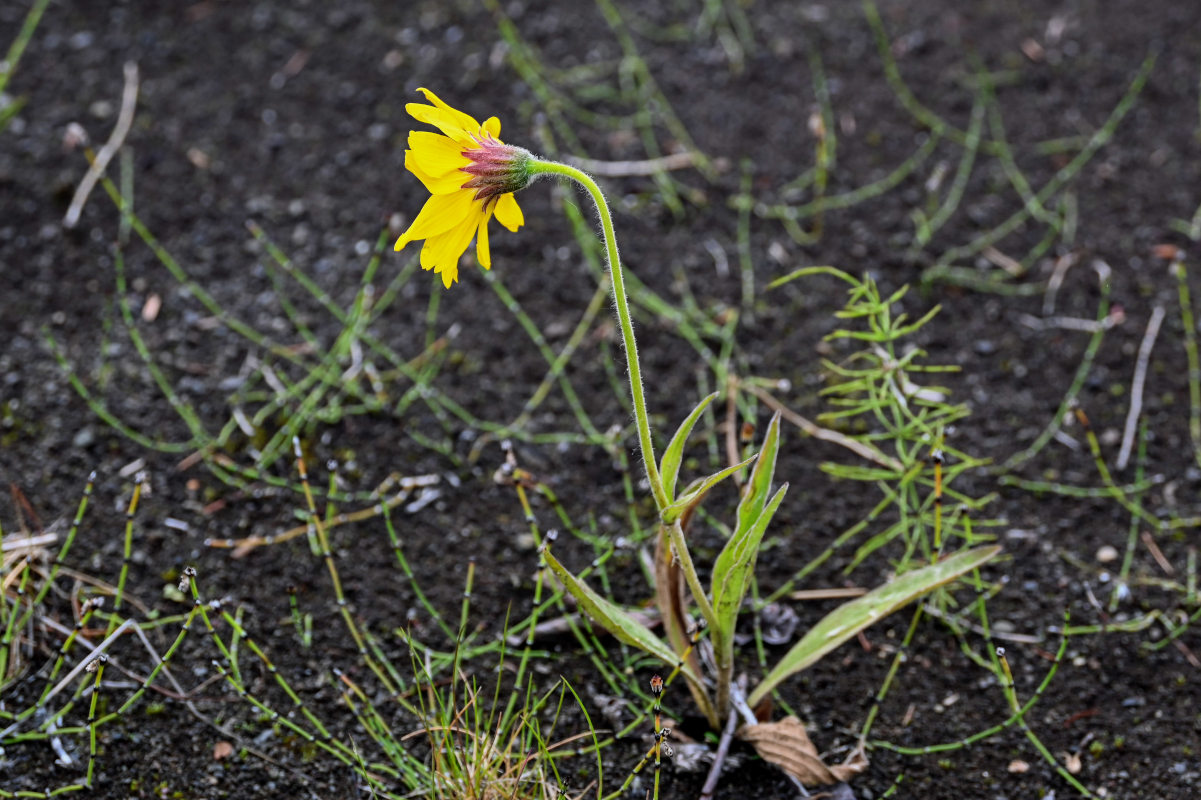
697 490
759 485
612 618
669 466
848 619
735 565
732 574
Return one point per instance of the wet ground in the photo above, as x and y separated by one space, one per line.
291 116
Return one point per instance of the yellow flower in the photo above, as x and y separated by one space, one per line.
471 176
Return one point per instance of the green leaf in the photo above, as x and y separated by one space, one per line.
698 489
732 577
612 618
848 619
735 565
669 466
759 485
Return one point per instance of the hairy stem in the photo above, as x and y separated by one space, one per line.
539 167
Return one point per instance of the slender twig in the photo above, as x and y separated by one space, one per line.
1136 386
733 455
1062 265
1004 261
738 708
1069 323
129 100
28 542
827 594
719 757
1156 553
818 432
80 667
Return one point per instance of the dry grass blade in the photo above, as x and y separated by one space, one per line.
129 98
819 432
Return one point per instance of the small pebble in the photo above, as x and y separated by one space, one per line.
84 438
1107 553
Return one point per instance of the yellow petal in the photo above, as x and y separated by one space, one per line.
451 182
445 249
449 276
464 121
439 214
444 122
482 253
492 126
508 213
436 154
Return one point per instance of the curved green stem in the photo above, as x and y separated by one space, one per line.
539 167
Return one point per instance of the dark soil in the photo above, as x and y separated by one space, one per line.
291 114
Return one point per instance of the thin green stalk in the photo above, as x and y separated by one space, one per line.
1069 399
746 266
25 567
101 410
926 228
1016 177
897 660
556 361
538 167
1121 586
101 660
1190 351
17 48
786 212
182 408
1061 178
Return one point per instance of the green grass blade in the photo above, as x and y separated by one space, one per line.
17 48
850 618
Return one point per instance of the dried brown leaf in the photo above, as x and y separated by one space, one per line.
787 745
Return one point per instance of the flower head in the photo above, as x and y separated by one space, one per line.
471 175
